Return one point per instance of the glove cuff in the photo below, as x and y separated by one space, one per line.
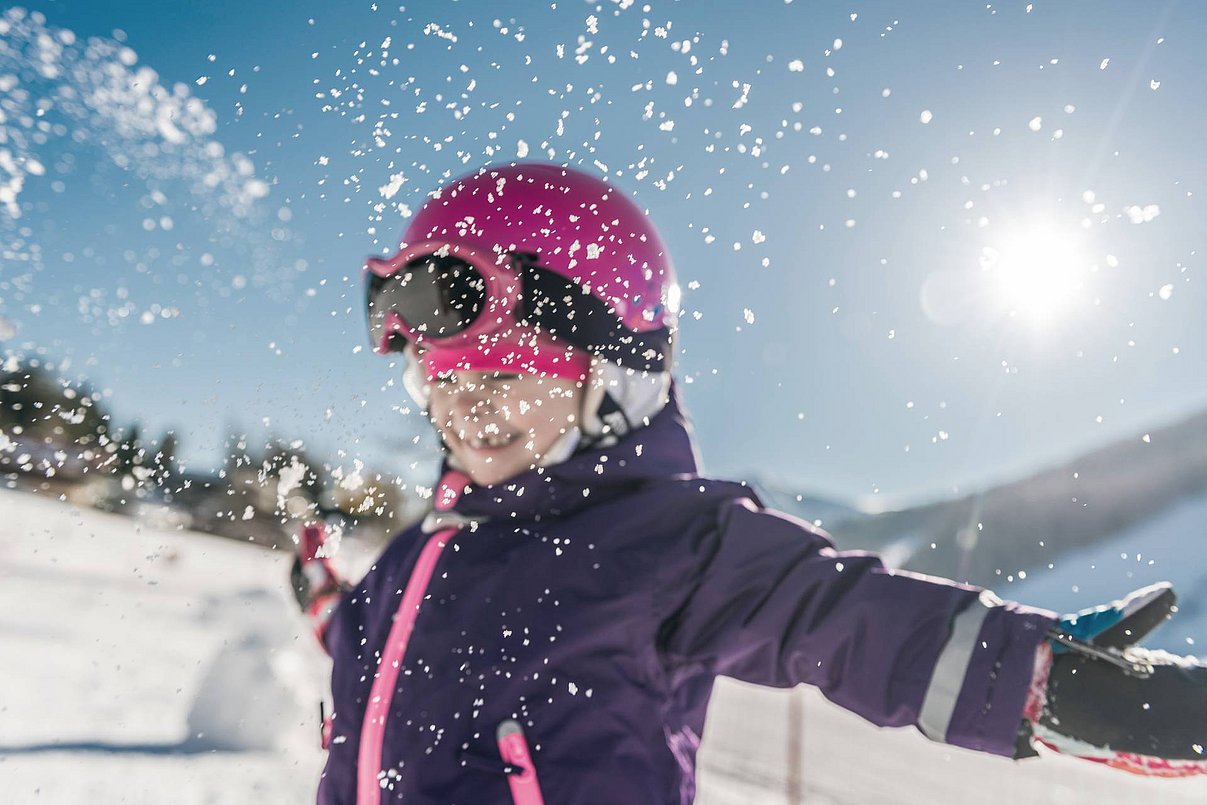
1037 695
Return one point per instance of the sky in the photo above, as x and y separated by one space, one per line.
923 247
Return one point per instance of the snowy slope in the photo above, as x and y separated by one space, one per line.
1171 547
144 666
782 496
148 666
1024 524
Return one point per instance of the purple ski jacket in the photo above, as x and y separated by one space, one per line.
592 603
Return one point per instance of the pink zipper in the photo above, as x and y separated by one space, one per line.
525 788
369 774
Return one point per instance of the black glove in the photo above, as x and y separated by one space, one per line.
316 584
1099 697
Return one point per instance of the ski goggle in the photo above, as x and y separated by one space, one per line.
442 294
439 292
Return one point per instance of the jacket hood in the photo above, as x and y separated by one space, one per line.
663 449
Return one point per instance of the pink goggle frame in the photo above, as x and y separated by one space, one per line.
502 294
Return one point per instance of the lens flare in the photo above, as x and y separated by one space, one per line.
1038 274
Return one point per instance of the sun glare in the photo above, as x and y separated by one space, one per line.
1038 273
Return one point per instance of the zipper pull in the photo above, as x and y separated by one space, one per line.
525 789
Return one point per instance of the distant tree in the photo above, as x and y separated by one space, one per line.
130 451
164 463
38 405
234 452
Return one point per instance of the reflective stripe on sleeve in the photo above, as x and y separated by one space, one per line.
948 677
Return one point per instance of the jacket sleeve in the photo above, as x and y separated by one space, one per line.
770 601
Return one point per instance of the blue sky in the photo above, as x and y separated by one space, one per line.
856 197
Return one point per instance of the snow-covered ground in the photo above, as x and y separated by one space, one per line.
155 666
149 666
748 757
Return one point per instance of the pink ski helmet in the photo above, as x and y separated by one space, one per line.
527 267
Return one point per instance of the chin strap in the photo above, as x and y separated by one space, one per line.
618 401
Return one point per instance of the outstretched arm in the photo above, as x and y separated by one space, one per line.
773 603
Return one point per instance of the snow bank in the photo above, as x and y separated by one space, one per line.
155 665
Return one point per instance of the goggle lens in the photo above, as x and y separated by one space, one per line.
435 296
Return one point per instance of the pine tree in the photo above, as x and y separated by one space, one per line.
167 469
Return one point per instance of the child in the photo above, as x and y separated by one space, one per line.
551 632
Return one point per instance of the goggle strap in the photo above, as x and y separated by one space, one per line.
567 310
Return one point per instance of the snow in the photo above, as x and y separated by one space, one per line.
149 666
93 91
747 756
155 665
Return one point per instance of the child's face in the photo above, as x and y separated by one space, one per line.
498 425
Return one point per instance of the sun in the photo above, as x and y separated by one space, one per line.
1037 273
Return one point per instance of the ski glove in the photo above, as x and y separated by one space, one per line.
1098 696
317 585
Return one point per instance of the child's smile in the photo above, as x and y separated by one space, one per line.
492 438
498 425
